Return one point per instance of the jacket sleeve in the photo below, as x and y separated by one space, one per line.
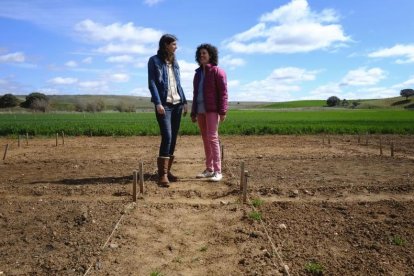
155 96
221 82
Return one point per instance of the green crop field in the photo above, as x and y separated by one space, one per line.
241 122
296 104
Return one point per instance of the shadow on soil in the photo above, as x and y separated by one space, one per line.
98 180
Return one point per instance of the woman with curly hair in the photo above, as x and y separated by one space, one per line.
210 104
169 101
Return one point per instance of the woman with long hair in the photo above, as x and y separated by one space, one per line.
169 101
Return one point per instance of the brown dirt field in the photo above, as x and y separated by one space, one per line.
67 210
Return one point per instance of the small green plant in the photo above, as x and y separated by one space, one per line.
397 240
156 273
255 215
257 202
314 268
178 260
203 248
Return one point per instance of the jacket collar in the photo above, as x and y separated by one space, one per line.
208 67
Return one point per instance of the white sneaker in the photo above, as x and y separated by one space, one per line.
205 174
217 177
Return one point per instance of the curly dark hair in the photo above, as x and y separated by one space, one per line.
165 40
212 51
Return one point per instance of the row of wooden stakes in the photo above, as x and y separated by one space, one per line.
138 179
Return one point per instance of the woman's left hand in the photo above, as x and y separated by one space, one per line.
185 110
222 118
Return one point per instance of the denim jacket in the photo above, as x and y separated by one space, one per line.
158 80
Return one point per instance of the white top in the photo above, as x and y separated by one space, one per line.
172 96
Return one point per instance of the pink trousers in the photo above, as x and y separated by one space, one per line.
208 124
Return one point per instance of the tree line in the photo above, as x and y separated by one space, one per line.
335 101
40 102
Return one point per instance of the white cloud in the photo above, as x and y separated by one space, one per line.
325 91
187 71
119 38
120 59
278 86
61 80
406 84
404 51
291 75
290 28
141 91
10 85
232 84
87 60
152 2
13 57
92 84
363 76
125 49
140 64
229 61
117 32
119 77
377 93
71 63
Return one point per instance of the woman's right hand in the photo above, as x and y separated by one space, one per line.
160 109
193 119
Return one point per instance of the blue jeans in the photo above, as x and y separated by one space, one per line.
169 124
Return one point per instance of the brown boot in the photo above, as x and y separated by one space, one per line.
162 163
171 177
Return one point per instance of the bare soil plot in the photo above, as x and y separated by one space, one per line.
67 210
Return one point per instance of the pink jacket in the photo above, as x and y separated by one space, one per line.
215 90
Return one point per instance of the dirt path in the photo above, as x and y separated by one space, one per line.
187 229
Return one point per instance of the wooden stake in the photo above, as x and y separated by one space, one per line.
329 140
18 141
359 139
366 139
245 187
63 138
323 139
241 175
141 178
392 149
222 152
5 151
380 142
27 139
134 186
57 136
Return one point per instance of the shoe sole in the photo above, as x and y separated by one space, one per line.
199 176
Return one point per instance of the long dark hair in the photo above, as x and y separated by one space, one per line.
165 40
212 52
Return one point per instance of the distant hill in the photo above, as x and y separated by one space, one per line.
113 102
395 103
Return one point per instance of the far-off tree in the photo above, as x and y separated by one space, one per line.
95 106
40 105
407 93
8 100
37 101
124 106
333 101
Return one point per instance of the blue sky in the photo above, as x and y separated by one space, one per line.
278 50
